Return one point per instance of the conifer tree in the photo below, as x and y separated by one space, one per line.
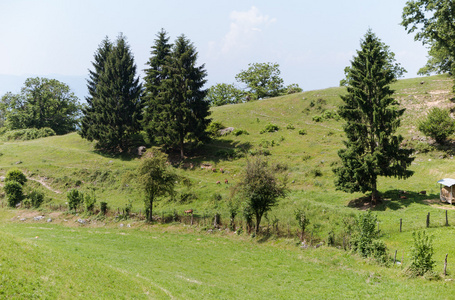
116 104
372 117
161 51
179 111
88 119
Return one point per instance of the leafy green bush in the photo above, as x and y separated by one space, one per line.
16 175
75 198
302 131
14 194
103 207
36 198
229 153
303 220
438 125
238 132
290 127
318 118
89 202
364 238
28 134
214 128
421 254
270 128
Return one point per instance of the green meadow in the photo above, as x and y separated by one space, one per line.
106 259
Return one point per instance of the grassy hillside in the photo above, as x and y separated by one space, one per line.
57 164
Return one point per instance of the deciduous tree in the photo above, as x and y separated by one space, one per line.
372 117
42 103
222 94
260 188
262 80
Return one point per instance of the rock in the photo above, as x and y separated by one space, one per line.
18 162
82 221
23 219
226 130
38 218
141 150
128 225
121 225
49 220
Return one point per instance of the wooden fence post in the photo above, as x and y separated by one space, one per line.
401 223
428 220
191 219
395 258
447 219
445 265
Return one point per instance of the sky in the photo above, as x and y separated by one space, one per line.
312 41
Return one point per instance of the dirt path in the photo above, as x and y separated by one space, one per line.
40 180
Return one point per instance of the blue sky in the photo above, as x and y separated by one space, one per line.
312 41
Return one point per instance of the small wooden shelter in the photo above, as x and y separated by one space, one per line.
447 190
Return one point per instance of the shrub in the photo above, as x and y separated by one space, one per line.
438 125
103 208
364 239
302 131
238 132
14 194
16 175
229 153
28 134
89 202
36 198
290 127
422 254
214 128
270 128
302 219
75 198
317 118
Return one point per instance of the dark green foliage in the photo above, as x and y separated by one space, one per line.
36 198
42 103
270 128
75 199
238 132
114 114
372 117
438 125
262 80
433 22
260 188
13 191
91 109
421 254
103 207
222 94
176 112
214 128
16 175
155 179
28 134
302 220
302 131
290 127
364 240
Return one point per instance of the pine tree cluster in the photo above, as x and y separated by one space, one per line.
170 108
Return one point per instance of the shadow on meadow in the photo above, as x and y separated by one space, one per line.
394 200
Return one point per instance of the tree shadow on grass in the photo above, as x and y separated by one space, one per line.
394 200
121 156
216 152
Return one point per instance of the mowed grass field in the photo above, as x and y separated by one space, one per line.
176 261
45 261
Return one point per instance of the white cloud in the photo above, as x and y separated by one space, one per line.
245 29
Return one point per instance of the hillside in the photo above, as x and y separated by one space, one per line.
57 164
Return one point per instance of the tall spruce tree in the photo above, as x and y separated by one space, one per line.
372 117
88 111
178 112
154 75
114 111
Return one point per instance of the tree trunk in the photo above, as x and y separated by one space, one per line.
181 149
149 217
258 221
374 194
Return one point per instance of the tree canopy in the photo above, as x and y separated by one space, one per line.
41 103
372 117
433 22
223 93
115 110
262 80
176 111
